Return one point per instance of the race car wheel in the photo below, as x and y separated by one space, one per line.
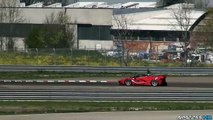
154 83
128 82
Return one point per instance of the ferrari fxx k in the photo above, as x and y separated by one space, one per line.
146 80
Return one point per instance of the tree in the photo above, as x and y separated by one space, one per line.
56 33
206 31
122 33
46 2
10 13
182 16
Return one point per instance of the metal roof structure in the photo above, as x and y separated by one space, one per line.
120 3
139 4
55 5
97 5
87 5
39 4
110 2
159 19
117 5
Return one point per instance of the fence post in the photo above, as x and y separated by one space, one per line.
54 61
104 51
37 56
87 58
70 56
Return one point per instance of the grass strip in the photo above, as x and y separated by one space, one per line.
61 75
55 75
32 107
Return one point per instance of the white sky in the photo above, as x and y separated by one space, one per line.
210 3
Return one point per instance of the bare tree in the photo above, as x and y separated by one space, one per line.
205 31
57 32
10 13
182 15
46 2
122 32
62 19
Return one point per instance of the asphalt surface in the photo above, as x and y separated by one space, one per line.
136 115
179 88
105 96
175 84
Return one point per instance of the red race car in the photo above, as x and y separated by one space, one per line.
147 80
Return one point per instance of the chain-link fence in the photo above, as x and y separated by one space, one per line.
86 57
73 57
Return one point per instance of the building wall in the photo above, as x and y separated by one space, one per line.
92 17
109 1
79 16
94 44
37 15
19 43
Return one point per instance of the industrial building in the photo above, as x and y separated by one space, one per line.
95 26
90 30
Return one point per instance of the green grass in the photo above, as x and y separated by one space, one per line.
75 57
61 75
32 107
55 75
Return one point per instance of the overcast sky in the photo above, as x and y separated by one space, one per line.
210 3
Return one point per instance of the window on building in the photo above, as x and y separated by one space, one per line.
89 32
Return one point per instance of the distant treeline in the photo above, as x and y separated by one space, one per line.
46 2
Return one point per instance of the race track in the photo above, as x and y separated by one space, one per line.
178 89
134 115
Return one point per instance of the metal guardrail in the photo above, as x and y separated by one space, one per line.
106 96
154 70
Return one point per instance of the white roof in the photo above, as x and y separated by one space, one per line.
147 4
103 6
87 5
55 5
139 4
156 20
39 4
130 5
134 5
96 5
118 5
